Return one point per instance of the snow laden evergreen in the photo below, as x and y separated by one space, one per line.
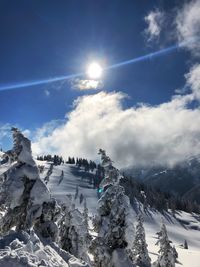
22 191
85 214
30 210
167 257
185 244
74 235
24 195
113 222
139 253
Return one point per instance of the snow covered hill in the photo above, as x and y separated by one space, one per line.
68 179
183 226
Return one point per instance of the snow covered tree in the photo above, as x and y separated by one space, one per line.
74 235
185 244
175 253
46 224
139 253
76 193
166 256
113 222
23 193
85 213
112 175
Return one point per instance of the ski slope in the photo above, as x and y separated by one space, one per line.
72 177
184 227
64 179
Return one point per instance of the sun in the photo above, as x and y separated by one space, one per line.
94 71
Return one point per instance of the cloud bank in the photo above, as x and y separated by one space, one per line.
187 24
145 135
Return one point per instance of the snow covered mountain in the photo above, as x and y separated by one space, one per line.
184 226
76 196
183 179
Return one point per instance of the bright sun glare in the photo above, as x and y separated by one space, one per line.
94 71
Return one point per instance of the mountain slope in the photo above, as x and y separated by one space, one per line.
184 227
183 179
64 179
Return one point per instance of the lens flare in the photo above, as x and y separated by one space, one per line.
95 71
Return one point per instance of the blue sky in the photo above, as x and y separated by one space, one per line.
46 39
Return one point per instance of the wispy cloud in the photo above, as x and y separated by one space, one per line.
154 20
4 130
187 23
79 84
47 92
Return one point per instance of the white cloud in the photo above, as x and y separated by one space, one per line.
155 20
4 130
164 134
87 84
47 93
193 80
188 26
47 129
26 133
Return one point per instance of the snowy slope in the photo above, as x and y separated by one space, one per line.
186 226
61 186
20 249
178 232
1 154
3 167
183 179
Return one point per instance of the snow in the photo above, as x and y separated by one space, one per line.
39 193
178 229
5 167
177 233
1 154
73 176
184 227
24 250
120 259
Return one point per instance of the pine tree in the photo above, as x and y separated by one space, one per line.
76 192
74 235
112 223
23 193
185 244
85 214
139 253
175 253
166 256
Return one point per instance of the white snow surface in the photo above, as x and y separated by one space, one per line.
178 229
24 250
177 232
1 154
39 193
73 176
184 227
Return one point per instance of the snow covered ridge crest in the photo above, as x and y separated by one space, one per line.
19 249
28 208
